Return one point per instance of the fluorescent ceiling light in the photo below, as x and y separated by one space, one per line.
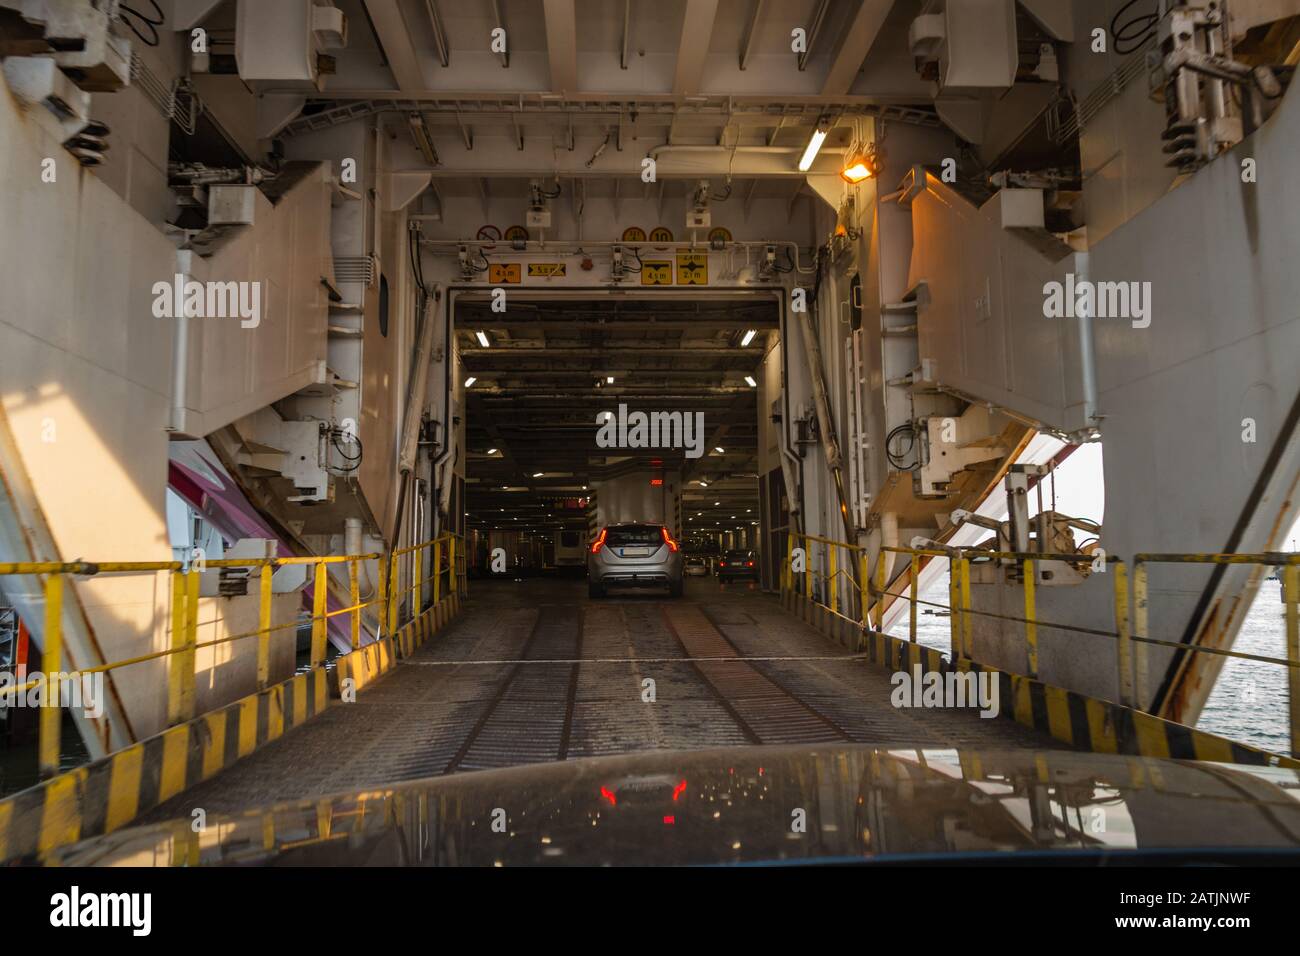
749 337
483 339
538 474
470 381
814 145
749 380
720 450
491 451
609 379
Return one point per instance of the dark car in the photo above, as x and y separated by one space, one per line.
738 564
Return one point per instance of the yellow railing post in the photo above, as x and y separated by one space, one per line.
52 662
1141 608
1031 616
832 582
864 586
453 584
417 578
180 610
320 604
882 581
1125 655
383 593
967 620
394 593
787 573
354 595
954 610
807 569
912 586
437 572
1291 594
264 628
188 659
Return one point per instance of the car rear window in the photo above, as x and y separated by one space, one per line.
740 555
633 536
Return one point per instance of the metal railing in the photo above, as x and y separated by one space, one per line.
184 623
825 586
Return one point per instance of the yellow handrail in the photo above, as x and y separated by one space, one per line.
1131 629
184 623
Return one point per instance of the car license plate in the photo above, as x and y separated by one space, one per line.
633 552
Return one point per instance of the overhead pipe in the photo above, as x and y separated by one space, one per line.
181 353
1087 357
412 413
830 444
442 465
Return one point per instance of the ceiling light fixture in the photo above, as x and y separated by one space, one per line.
749 337
860 163
483 339
814 144
470 381
749 380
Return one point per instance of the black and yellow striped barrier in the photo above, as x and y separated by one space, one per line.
367 664
109 793
1083 722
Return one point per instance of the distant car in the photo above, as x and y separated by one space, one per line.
697 567
738 564
634 555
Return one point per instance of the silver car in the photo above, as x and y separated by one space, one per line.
634 555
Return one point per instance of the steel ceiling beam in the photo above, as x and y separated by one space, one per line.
398 44
501 25
747 46
855 45
561 44
693 47
810 32
439 36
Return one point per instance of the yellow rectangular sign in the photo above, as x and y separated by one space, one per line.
545 270
692 268
657 272
505 273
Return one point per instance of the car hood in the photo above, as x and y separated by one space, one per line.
752 805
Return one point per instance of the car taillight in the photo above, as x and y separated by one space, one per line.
722 564
668 540
599 542
749 564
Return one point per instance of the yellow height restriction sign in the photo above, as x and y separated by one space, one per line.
692 268
545 270
505 273
658 272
